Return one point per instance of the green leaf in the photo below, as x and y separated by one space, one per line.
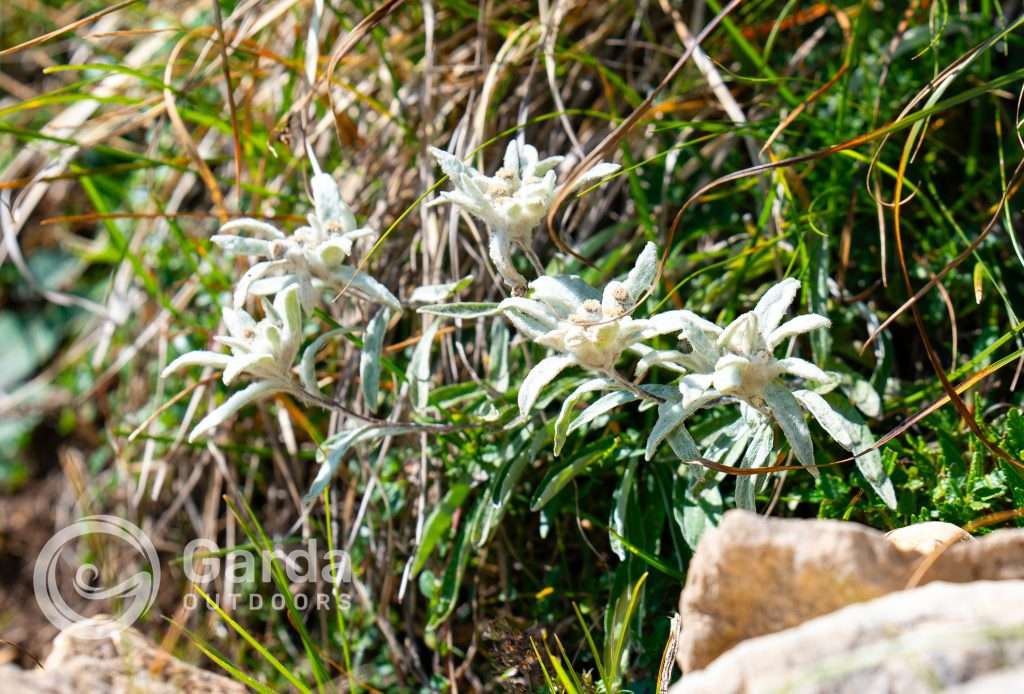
370 357
569 408
418 372
439 521
497 356
556 480
696 513
617 523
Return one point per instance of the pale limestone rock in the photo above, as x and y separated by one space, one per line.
753 575
943 636
927 537
95 656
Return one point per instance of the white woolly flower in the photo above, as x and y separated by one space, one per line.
264 350
746 364
512 202
739 364
312 257
590 328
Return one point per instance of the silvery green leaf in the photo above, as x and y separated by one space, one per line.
307 365
817 291
418 372
683 445
617 522
569 407
249 394
801 368
788 414
497 356
369 358
662 391
439 522
521 451
241 245
830 420
869 462
797 326
728 443
695 513
531 318
774 303
540 375
758 452
555 480
863 395
436 293
528 326
670 416
469 309
197 358
641 278
603 405
564 293
366 285
253 225
330 456
595 174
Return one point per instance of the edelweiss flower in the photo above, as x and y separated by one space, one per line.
592 329
512 202
747 365
740 364
264 350
313 257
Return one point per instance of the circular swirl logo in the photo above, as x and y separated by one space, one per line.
132 595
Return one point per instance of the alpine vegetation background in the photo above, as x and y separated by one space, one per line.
504 303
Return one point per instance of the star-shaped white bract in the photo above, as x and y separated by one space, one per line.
740 365
746 363
589 328
512 202
312 257
264 350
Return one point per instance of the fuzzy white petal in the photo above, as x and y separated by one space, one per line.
741 336
196 358
804 369
774 304
595 174
540 375
251 393
797 326
563 293
253 225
